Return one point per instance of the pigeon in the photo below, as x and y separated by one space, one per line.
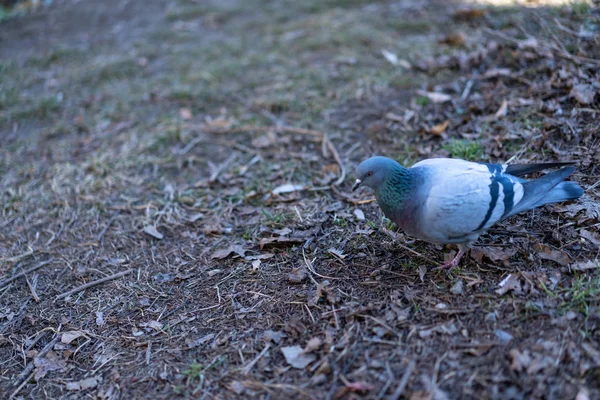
453 201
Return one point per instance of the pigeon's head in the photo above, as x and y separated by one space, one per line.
373 171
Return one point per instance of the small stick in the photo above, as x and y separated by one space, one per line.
94 283
17 258
246 370
403 381
32 285
20 274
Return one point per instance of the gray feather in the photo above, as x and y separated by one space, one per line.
525 169
549 188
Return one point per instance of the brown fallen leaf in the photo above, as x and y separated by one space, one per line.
591 236
273 336
296 357
51 362
223 253
511 282
84 384
456 39
493 253
297 275
68 337
547 253
469 14
279 242
439 129
520 359
185 114
586 265
312 345
583 93
588 205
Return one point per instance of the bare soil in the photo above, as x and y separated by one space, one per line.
191 163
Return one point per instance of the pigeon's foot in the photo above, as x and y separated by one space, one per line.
453 263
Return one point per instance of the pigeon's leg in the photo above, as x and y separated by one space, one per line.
454 262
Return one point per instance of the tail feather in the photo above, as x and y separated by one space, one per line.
562 192
549 188
524 169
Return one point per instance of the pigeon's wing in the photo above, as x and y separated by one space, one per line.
524 169
462 199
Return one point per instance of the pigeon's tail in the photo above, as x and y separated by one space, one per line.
549 188
562 192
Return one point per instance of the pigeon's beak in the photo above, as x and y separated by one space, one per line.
356 184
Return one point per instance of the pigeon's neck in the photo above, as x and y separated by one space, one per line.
394 193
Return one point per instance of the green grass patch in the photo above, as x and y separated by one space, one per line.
465 149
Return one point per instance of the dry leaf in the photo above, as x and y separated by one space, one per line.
493 253
223 253
336 253
185 113
520 360
391 57
469 14
273 336
588 204
296 357
457 288
583 93
502 110
591 236
439 129
547 253
51 362
313 345
586 265
583 394
151 230
237 387
157 326
99 318
68 337
84 384
511 282
456 39
279 241
435 97
287 188
422 271
297 275
359 214
495 72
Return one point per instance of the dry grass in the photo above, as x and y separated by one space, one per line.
176 202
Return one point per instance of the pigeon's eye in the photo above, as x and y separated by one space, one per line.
369 173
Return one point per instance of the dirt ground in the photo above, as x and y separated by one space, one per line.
191 162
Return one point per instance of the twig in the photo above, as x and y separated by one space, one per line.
403 381
246 369
94 283
32 285
20 274
311 268
19 257
189 146
397 243
289 129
